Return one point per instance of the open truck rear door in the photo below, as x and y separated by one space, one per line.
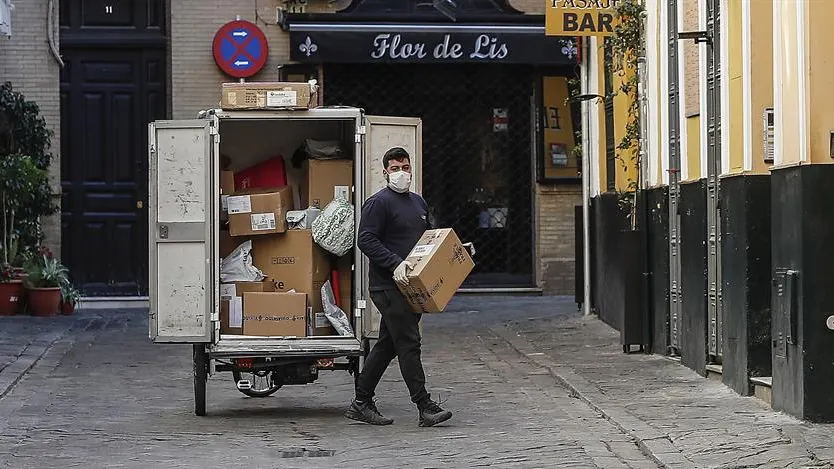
381 134
183 268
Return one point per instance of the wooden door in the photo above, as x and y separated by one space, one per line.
113 83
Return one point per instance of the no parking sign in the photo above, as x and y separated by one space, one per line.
240 49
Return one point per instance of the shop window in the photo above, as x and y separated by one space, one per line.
559 155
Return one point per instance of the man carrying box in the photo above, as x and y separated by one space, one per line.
392 222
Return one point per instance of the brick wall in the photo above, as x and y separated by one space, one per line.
25 61
555 242
195 78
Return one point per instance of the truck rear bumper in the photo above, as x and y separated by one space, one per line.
244 346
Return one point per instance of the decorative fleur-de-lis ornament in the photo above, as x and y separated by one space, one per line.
308 47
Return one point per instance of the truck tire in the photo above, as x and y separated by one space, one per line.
200 379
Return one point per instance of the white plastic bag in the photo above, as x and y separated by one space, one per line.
334 314
237 266
333 229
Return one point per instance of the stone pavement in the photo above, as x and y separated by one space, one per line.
677 417
532 385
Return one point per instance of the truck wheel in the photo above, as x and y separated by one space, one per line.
200 379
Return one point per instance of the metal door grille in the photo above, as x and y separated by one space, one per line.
675 294
714 304
476 170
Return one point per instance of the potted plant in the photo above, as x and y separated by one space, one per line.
25 192
45 276
11 290
70 297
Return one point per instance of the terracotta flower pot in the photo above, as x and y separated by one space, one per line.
10 297
44 301
67 308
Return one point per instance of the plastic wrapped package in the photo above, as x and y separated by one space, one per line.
333 230
238 267
334 314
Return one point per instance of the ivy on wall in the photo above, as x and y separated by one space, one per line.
625 49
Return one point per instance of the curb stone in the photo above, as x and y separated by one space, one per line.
652 443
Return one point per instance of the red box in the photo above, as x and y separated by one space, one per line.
270 173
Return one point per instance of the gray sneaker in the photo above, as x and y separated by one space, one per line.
367 412
431 414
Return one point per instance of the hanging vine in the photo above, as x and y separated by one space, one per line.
626 48
624 53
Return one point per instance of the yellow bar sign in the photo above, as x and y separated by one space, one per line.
580 17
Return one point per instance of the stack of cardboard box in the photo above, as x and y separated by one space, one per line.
288 301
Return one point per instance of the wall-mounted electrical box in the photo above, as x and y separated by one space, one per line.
768 135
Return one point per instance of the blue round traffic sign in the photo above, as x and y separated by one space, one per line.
240 49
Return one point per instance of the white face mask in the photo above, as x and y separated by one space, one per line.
399 181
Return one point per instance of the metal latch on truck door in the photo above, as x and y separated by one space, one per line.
163 231
360 131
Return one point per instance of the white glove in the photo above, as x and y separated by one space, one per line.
401 272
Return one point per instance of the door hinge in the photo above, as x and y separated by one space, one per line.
212 129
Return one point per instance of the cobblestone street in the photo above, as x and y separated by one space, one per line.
531 383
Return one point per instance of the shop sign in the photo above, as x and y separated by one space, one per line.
581 17
430 47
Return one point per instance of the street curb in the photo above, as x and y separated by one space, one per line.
655 445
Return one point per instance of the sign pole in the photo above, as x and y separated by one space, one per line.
586 182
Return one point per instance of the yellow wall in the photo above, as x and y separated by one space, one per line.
626 167
732 26
693 147
821 89
761 74
788 119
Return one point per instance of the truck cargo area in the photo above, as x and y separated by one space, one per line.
248 138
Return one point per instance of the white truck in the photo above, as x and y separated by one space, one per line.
184 221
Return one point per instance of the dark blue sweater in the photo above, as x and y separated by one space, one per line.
390 226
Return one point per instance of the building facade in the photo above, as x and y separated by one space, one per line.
733 240
498 133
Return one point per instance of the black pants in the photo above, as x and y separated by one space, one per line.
399 336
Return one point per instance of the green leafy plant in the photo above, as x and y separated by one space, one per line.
45 271
23 186
626 50
25 193
69 294
627 47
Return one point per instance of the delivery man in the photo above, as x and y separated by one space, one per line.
392 222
